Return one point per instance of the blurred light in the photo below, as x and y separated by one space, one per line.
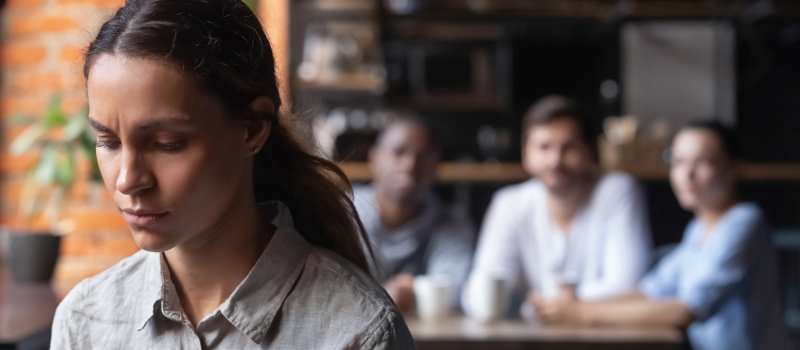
609 89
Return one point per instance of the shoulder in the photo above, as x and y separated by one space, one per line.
348 295
362 191
103 295
513 195
337 272
745 219
747 212
452 226
364 199
617 187
617 181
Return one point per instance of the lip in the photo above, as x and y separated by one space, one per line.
142 217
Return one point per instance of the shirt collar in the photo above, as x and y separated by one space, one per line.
252 306
159 291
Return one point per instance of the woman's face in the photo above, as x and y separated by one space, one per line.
702 174
171 156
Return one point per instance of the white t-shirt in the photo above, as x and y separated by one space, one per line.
605 252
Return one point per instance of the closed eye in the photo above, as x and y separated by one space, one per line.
172 146
110 145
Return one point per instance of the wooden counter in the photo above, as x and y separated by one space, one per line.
463 333
513 172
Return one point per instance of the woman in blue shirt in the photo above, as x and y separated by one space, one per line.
721 282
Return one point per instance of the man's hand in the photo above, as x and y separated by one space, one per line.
401 289
566 309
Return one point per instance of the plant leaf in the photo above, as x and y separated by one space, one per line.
53 115
75 127
18 119
46 169
27 138
65 169
90 148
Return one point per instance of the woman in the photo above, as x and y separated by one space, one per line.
184 100
721 281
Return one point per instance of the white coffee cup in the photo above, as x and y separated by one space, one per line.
489 297
434 297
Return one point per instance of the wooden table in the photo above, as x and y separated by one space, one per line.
461 333
26 314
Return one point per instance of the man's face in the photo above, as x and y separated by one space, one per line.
557 154
404 162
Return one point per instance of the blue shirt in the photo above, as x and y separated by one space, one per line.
730 282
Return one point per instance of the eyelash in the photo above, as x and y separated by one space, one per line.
168 147
106 144
172 146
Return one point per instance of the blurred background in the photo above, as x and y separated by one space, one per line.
470 68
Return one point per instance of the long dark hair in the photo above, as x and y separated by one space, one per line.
223 46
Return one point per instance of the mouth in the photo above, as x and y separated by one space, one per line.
142 217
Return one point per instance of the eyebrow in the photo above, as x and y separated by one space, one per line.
176 119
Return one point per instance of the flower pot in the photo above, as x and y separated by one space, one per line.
32 257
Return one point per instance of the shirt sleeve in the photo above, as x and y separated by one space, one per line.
68 328
451 254
662 281
725 263
626 244
394 336
498 244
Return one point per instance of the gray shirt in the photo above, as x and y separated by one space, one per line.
437 242
297 296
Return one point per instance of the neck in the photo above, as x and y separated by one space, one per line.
711 215
207 269
563 206
396 213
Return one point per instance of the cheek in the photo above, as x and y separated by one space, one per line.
532 160
201 177
706 180
574 159
109 169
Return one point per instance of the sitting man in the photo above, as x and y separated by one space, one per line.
571 226
412 232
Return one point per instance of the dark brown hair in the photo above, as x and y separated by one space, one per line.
551 108
222 45
727 136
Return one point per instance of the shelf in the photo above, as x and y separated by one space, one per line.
452 9
513 172
362 85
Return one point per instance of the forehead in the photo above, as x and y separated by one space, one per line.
558 128
696 142
404 133
119 86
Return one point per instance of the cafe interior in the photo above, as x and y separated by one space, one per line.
466 72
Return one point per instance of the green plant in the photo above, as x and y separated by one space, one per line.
252 4
57 140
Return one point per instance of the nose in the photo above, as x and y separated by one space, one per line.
555 157
134 175
409 162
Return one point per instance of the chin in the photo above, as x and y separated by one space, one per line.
155 242
558 185
688 205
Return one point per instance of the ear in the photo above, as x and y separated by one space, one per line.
372 158
258 125
526 164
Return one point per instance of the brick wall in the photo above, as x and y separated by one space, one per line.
40 55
